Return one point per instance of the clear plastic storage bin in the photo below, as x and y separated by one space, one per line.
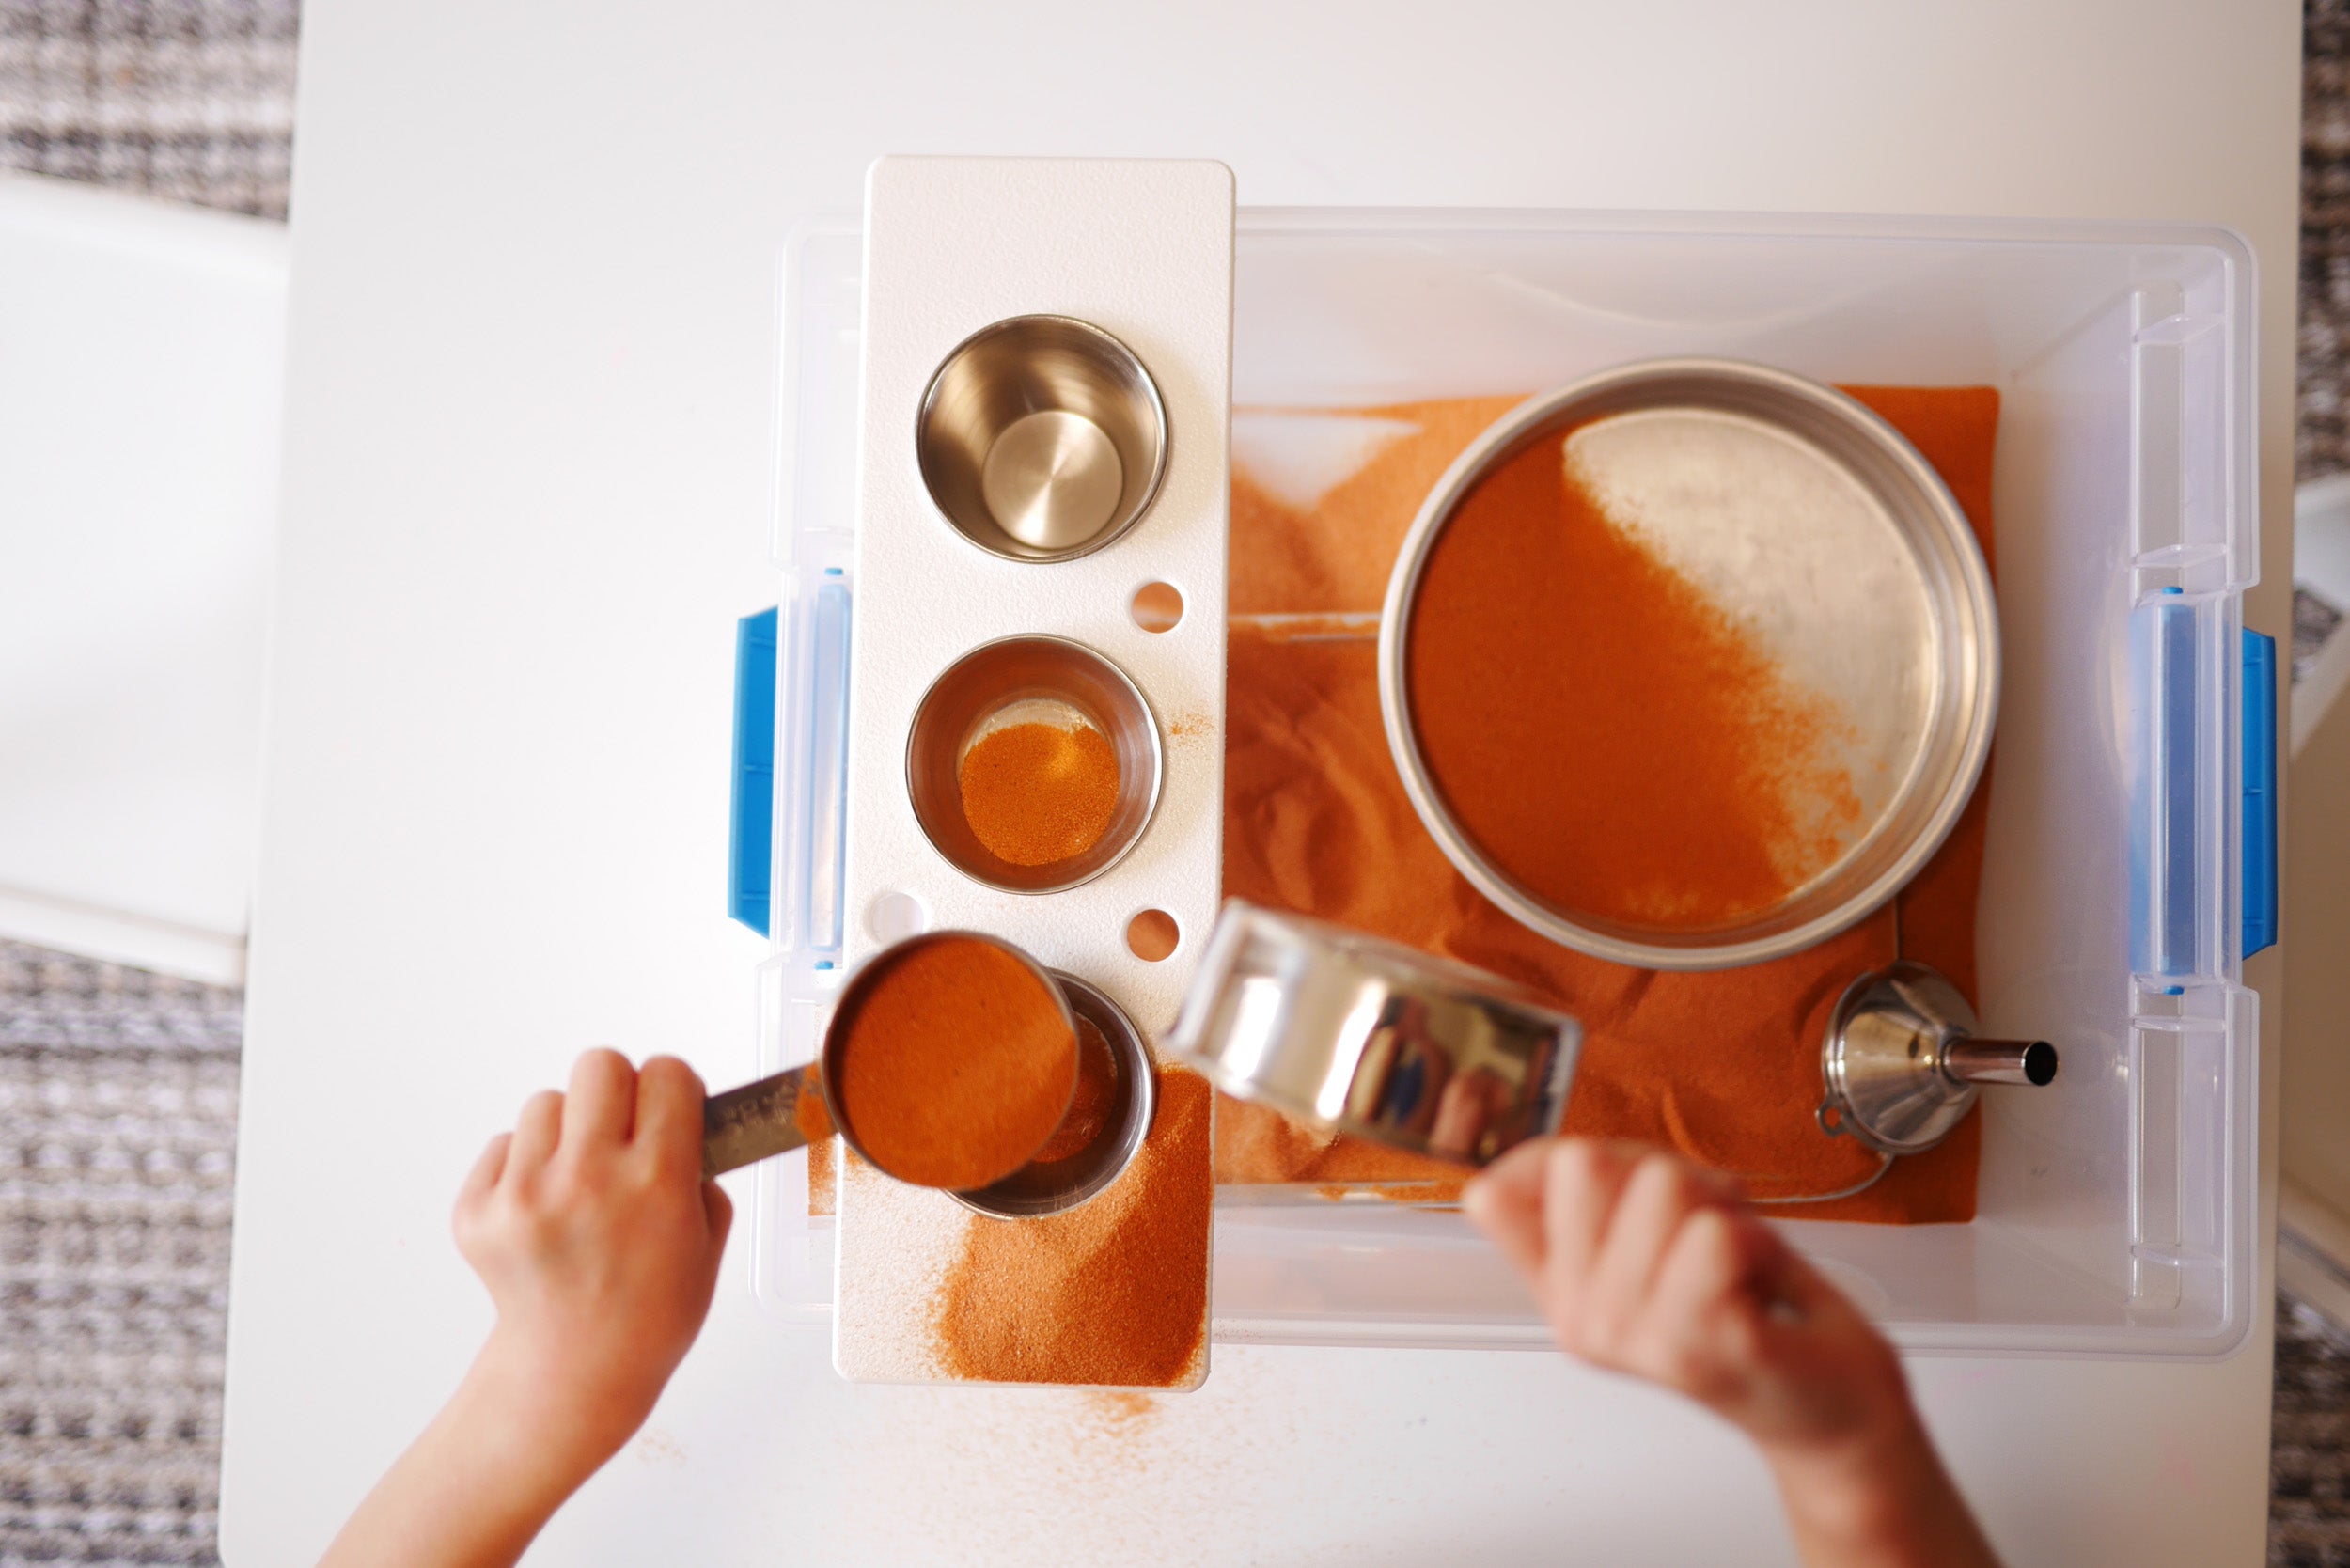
2131 845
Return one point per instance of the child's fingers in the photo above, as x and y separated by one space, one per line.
486 1170
1719 1252
1803 1298
1521 1170
537 1129
1580 1188
719 1210
1657 1198
1712 1260
601 1105
1506 1203
670 1115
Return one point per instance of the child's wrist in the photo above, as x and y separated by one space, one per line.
492 1469
529 1420
1859 1484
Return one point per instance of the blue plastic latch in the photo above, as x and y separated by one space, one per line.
750 864
2260 792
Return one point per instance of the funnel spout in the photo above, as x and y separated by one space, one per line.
2000 1061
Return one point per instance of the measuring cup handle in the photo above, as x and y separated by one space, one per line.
753 1121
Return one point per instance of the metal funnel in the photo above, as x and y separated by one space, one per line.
1903 1064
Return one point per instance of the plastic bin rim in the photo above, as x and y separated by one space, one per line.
1724 223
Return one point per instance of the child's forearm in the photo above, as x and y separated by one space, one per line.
1883 1504
476 1487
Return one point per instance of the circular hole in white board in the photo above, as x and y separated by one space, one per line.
894 917
1153 935
1156 606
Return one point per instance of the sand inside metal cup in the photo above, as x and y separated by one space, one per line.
949 1060
1056 1186
805 1104
1028 680
1042 438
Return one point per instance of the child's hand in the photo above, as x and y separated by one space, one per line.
600 1242
1646 1264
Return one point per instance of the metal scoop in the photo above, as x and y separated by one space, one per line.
1360 1035
783 1112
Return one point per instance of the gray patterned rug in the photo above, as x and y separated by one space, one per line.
187 99
118 1089
2309 1456
118 1137
2322 444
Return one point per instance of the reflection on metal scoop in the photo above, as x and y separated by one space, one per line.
1903 1064
1359 1035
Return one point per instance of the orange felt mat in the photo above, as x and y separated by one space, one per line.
1723 1066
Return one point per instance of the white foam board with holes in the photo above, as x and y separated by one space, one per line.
1143 249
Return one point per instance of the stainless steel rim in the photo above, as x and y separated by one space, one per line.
1973 626
1151 726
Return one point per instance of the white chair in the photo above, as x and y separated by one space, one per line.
141 360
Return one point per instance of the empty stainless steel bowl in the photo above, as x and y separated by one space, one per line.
1042 438
1022 680
1056 1186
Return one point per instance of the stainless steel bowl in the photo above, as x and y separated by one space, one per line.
1056 1186
1959 648
1359 1035
1042 438
1021 679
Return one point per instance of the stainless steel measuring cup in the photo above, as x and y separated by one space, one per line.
1355 1034
1043 1188
755 1120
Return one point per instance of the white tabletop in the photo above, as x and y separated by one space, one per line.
526 492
